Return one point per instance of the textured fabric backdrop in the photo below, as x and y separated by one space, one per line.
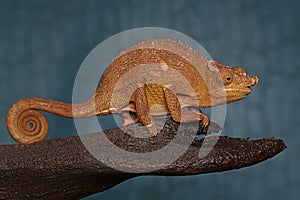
42 44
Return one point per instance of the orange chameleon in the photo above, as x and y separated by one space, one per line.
162 68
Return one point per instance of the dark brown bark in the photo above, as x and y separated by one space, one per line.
64 168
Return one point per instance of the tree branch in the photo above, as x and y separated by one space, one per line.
64 168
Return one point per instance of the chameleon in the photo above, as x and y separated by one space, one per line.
151 78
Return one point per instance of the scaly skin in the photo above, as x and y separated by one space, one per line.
155 77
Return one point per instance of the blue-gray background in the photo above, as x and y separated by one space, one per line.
42 44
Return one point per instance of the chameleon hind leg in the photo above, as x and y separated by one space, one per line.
180 115
128 114
143 111
129 118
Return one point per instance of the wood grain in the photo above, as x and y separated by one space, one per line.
64 169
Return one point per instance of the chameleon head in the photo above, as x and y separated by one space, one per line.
231 83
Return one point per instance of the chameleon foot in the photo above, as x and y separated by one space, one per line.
129 118
203 117
152 129
204 120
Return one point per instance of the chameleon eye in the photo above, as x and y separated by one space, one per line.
227 77
228 80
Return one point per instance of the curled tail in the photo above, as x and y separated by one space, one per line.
27 125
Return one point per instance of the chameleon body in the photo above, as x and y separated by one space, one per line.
154 77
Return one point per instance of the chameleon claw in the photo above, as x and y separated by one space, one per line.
152 129
205 121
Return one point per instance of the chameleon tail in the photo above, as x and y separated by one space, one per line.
27 124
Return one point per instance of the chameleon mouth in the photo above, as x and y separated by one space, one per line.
247 90
239 91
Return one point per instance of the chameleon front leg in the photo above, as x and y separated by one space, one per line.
180 115
143 111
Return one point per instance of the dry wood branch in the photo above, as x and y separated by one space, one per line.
64 168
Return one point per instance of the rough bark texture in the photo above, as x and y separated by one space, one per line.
64 168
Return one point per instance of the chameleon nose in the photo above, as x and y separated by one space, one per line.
253 80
